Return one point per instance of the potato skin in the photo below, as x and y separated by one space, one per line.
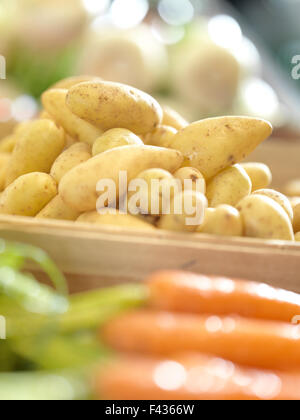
112 105
229 187
171 118
73 156
28 194
191 174
296 213
264 218
116 137
7 144
297 237
122 220
54 101
213 144
4 163
281 199
57 209
259 173
222 221
78 186
38 145
162 136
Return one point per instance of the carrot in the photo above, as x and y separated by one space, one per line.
192 377
186 292
262 344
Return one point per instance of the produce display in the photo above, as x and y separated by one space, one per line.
90 132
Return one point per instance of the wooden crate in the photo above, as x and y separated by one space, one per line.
98 256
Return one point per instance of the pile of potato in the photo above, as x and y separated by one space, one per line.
91 130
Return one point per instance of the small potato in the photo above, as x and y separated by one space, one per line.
229 187
259 173
7 144
155 194
113 105
171 118
264 218
214 144
162 136
191 179
54 102
38 145
118 219
28 194
293 188
187 213
113 138
73 156
78 188
73 81
222 221
57 209
296 212
44 115
4 162
297 237
281 199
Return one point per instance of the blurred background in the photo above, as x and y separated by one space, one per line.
202 57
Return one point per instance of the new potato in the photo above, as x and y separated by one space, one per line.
297 237
4 162
118 219
28 194
296 213
281 199
78 188
39 143
224 220
214 144
57 209
171 118
264 218
191 179
116 137
73 156
259 173
113 105
162 136
228 187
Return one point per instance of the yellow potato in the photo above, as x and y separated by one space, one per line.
297 237
229 187
115 137
54 102
162 136
121 220
7 144
259 173
264 218
224 220
112 105
155 193
4 162
44 115
281 199
171 118
191 179
28 194
214 144
296 212
69 142
293 188
78 187
73 156
73 81
38 145
57 209
189 217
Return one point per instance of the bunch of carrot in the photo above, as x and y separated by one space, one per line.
205 338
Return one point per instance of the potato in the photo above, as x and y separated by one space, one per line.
189 217
228 187
73 81
157 192
112 105
162 136
293 188
214 144
281 199
224 220
191 177
171 118
115 137
259 173
78 188
7 144
28 194
297 237
57 209
54 102
73 156
44 115
38 145
4 162
121 220
264 218
296 212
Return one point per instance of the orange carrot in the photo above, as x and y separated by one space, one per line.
262 344
192 377
186 292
